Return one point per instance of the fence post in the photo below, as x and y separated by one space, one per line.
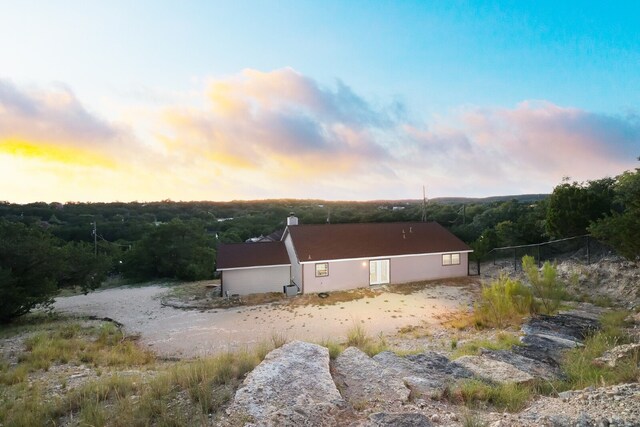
588 252
539 260
515 260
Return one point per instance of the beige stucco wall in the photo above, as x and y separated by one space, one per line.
255 280
296 267
355 274
342 275
425 267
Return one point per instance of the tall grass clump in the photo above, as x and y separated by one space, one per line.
503 341
509 397
504 302
579 365
547 289
357 337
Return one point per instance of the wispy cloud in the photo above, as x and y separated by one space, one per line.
282 134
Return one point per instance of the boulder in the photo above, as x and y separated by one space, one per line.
618 353
535 368
403 419
424 373
292 386
543 348
570 326
363 381
493 371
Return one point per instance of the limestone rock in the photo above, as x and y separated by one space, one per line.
424 373
618 353
493 371
403 419
292 386
364 381
535 368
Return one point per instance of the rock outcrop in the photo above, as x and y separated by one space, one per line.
292 386
364 381
493 371
402 419
424 373
621 352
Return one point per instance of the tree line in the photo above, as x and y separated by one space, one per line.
48 246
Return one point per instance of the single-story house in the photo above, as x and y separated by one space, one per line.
330 257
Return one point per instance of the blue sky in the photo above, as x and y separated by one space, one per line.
481 77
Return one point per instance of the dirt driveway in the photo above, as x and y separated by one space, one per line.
173 332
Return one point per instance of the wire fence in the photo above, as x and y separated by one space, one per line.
584 249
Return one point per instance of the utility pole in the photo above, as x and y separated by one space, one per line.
424 205
95 238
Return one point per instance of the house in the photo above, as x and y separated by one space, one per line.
330 257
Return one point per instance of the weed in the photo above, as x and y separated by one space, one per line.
358 337
545 284
503 303
503 341
578 362
473 393
278 339
335 348
471 420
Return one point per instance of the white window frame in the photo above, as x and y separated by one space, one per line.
324 273
450 259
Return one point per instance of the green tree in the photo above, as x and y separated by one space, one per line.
621 228
34 265
573 206
177 249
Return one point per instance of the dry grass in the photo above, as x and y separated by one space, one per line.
414 331
128 386
413 287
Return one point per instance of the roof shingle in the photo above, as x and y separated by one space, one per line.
241 255
369 240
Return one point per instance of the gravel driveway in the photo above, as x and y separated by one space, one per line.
180 333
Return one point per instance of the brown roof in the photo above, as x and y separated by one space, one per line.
343 241
239 255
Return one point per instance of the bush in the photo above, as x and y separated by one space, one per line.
503 302
545 285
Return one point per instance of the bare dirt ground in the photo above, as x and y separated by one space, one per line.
183 333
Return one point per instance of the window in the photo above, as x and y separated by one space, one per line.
322 269
450 259
378 272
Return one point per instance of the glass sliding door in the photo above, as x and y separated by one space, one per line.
378 271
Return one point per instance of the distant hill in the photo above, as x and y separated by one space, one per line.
458 200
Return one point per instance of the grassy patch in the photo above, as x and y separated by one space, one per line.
414 331
503 303
503 341
334 347
131 388
578 362
477 394
357 337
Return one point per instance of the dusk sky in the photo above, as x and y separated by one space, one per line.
339 100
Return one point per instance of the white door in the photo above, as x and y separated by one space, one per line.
379 272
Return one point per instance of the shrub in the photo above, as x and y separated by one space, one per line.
545 284
503 302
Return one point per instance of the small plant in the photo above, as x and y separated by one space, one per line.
503 341
473 394
278 339
335 349
503 303
358 337
545 284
